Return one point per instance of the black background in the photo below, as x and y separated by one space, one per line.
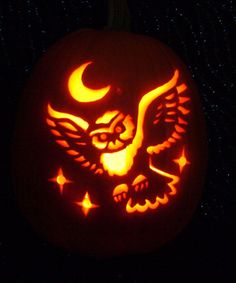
201 33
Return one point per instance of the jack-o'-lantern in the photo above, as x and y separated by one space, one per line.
110 146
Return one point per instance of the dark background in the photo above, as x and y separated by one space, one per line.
201 33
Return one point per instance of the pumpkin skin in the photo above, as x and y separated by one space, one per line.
100 209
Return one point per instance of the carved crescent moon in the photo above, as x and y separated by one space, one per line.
79 91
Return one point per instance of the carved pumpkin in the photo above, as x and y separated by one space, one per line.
109 152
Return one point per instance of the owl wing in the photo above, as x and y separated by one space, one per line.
70 132
171 113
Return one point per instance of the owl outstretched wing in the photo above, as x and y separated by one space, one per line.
70 132
171 113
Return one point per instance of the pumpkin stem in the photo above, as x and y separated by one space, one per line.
118 15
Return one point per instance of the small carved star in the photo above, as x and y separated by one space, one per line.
61 180
181 161
86 204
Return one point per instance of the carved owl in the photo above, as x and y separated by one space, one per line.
110 144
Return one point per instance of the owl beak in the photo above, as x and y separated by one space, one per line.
115 145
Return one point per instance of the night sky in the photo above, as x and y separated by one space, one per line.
201 33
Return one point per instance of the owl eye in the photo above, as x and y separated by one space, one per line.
102 137
119 128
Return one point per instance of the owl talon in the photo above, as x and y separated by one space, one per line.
120 192
140 183
120 197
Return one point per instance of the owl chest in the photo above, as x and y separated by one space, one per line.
120 162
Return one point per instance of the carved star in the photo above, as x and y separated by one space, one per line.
182 161
61 180
86 204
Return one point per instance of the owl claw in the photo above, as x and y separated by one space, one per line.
120 192
120 197
140 183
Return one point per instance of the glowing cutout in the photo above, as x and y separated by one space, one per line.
181 88
80 159
50 123
168 120
72 152
182 161
182 99
170 96
120 192
73 136
68 126
79 91
148 204
170 105
180 129
182 121
171 113
183 110
61 180
176 136
60 115
55 133
107 117
86 204
62 143
138 179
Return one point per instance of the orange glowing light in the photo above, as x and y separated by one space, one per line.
62 143
171 113
60 115
180 129
169 97
183 110
115 145
176 136
148 204
55 133
182 100
140 178
181 88
107 117
181 161
79 91
120 192
168 120
86 204
72 152
60 179
68 126
170 105
50 123
172 140
73 136
182 121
